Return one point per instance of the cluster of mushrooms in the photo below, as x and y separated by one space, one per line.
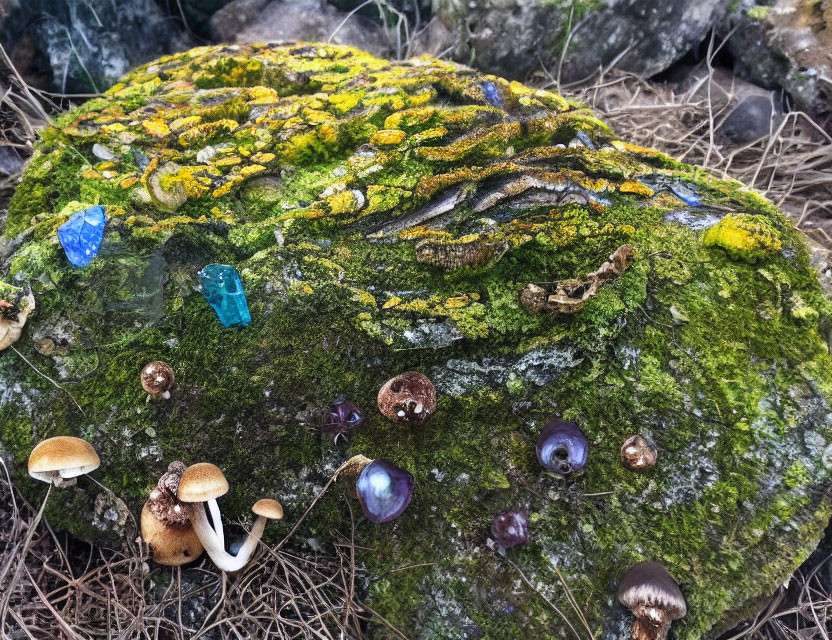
175 520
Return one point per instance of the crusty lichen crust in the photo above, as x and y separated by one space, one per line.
386 217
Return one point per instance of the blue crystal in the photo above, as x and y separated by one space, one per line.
492 94
222 288
81 235
685 194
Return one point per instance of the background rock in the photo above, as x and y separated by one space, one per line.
295 20
82 47
787 45
515 37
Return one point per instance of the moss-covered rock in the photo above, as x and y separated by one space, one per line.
387 217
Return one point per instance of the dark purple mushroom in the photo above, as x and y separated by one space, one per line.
510 528
562 447
384 490
655 599
342 418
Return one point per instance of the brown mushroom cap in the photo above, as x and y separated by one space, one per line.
638 453
409 399
157 377
201 482
62 457
171 544
654 597
268 508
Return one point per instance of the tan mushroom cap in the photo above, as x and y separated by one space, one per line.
172 545
62 457
201 482
268 508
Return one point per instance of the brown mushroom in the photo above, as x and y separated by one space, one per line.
638 452
158 379
408 399
166 524
60 460
655 599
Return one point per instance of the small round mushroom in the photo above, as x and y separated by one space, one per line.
638 452
158 379
510 528
655 599
204 482
408 399
60 460
166 523
562 447
384 490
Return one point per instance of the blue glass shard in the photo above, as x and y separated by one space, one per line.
222 288
492 94
685 194
81 235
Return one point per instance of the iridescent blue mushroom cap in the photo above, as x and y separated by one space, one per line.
384 491
562 447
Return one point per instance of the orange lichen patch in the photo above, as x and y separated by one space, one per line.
388 137
205 133
126 183
228 162
428 134
90 173
409 118
185 123
262 95
637 188
228 186
430 185
115 127
156 127
488 143
101 166
263 158
251 169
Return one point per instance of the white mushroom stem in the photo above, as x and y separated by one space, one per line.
208 537
216 518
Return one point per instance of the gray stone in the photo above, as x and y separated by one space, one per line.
80 47
294 20
789 46
515 37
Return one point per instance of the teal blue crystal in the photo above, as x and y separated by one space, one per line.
222 288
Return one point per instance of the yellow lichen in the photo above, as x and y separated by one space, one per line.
388 137
156 127
744 237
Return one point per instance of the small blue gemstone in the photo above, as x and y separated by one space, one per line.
81 235
492 94
685 194
222 288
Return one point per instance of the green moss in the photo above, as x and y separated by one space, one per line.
710 342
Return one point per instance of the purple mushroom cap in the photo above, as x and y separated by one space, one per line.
342 418
562 447
384 491
510 528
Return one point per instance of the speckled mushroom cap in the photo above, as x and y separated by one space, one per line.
649 584
62 457
409 399
201 482
268 508
157 377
